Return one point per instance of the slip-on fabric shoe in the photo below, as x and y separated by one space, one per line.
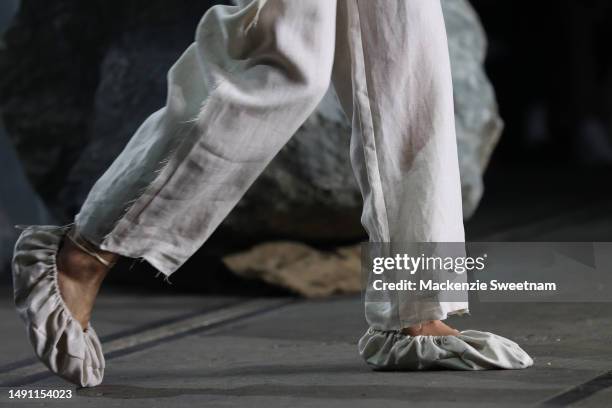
469 350
58 339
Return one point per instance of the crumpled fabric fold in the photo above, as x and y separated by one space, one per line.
57 338
470 350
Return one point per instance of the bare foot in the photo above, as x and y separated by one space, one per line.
431 328
80 276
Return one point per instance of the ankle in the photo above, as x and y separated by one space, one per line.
430 328
79 242
80 266
417 329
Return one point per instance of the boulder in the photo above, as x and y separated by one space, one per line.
19 203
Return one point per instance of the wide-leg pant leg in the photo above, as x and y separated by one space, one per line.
253 75
398 91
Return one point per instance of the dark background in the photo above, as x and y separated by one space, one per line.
550 63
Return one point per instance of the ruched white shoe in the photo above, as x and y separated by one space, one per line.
58 339
469 350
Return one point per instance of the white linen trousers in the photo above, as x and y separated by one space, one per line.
238 93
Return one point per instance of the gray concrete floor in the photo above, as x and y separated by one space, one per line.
304 353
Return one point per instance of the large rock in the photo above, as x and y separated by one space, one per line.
19 203
99 70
